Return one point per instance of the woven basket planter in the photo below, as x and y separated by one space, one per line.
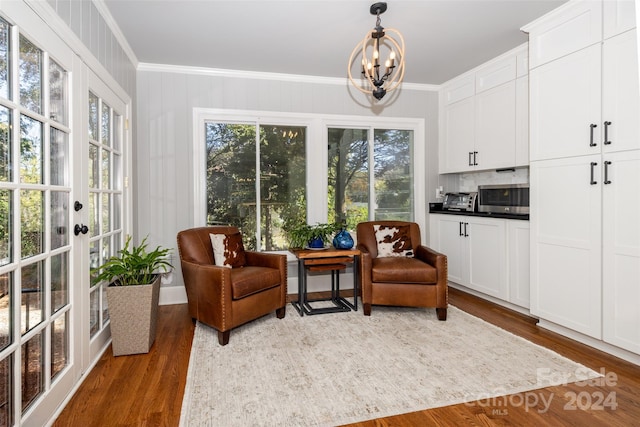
133 312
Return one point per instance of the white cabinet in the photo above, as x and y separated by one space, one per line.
476 250
518 262
482 116
522 121
621 250
620 101
495 127
585 173
565 242
459 132
565 106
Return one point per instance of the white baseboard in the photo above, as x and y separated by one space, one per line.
172 295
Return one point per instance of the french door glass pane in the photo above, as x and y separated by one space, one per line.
32 218
57 92
59 345
6 298
93 215
106 124
30 150
393 174
6 231
32 301
59 281
105 213
4 64
32 369
6 391
59 219
348 188
5 145
93 118
59 157
106 170
93 166
94 312
30 76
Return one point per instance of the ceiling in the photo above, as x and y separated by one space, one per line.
443 38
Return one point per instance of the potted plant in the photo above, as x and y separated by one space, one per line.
312 236
133 292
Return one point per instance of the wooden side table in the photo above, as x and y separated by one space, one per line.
333 260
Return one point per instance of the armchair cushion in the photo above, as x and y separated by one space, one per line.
402 270
228 250
393 240
251 280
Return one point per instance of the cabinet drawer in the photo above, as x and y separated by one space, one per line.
567 29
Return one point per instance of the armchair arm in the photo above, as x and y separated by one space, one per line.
208 291
439 261
365 273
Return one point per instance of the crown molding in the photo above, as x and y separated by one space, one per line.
240 74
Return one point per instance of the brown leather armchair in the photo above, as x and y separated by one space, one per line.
224 297
413 281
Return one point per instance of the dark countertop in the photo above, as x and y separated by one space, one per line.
483 214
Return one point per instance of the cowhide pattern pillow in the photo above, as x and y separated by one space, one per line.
393 241
228 250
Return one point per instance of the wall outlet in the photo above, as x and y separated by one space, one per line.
439 192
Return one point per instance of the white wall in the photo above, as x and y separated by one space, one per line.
163 193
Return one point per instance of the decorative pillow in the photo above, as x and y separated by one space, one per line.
393 241
228 250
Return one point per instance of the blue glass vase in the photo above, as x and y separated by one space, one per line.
316 243
343 240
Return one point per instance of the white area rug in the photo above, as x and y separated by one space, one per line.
340 368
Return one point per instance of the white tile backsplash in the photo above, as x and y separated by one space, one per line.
469 181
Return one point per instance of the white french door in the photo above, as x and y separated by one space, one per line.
102 198
62 145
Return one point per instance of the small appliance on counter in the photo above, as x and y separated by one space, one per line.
504 199
460 202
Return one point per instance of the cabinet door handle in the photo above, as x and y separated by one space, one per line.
591 143
460 228
606 133
593 166
470 162
475 158
606 172
465 229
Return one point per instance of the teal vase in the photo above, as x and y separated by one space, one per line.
343 240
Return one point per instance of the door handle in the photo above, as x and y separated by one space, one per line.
606 133
465 229
77 206
606 172
470 154
460 229
80 228
593 165
591 127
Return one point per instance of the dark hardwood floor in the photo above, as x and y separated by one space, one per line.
147 390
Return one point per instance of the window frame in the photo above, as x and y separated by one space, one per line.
316 148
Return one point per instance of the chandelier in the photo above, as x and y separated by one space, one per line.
376 78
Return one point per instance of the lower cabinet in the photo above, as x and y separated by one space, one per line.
488 255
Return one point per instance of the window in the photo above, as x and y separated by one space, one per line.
236 160
353 196
263 171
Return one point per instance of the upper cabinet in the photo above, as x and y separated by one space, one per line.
583 91
483 116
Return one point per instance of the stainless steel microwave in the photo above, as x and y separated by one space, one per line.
504 198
